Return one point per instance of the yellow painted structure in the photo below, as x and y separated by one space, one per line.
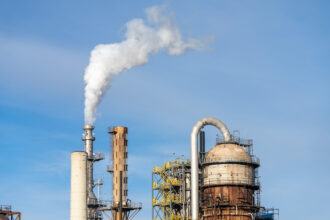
169 188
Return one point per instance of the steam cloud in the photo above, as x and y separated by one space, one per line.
141 40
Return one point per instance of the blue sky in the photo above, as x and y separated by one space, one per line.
266 74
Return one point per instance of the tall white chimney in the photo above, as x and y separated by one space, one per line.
78 202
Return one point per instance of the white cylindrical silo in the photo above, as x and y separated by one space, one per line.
78 206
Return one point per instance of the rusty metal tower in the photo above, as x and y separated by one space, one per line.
121 207
230 181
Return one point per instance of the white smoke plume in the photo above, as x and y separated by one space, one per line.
142 38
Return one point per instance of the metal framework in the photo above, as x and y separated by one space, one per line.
261 213
5 210
268 214
171 188
128 211
95 204
247 144
171 191
120 208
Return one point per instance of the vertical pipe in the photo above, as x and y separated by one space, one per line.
88 139
203 132
99 183
194 158
78 200
201 144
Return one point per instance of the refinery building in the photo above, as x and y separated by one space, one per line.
221 184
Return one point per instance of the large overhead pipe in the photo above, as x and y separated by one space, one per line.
194 158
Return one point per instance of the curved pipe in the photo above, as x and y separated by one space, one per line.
194 157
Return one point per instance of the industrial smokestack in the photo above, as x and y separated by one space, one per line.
142 38
78 198
88 139
194 158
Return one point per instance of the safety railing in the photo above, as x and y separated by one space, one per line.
135 204
255 159
97 156
269 213
96 202
5 207
233 180
171 164
168 199
235 139
252 160
167 184
95 216
127 203
98 182
110 168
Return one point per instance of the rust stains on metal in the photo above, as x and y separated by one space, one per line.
228 184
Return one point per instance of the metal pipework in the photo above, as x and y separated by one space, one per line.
194 158
88 139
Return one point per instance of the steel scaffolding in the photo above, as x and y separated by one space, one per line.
171 187
268 214
171 191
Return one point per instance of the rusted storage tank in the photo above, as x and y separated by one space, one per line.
228 183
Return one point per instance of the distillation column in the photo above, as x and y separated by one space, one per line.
229 183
